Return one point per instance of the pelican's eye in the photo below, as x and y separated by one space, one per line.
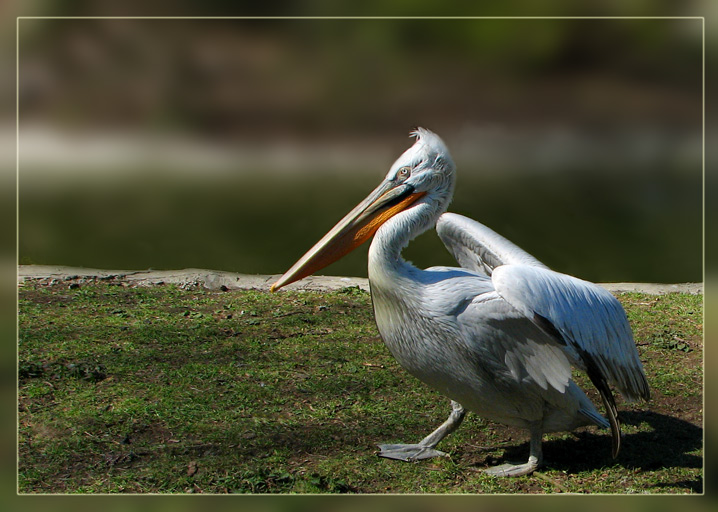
403 173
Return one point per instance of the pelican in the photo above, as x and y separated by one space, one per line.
498 336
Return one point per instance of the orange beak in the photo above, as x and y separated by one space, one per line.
354 229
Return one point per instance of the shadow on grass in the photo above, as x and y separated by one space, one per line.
668 444
665 442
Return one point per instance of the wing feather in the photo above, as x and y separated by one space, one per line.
515 343
588 318
479 248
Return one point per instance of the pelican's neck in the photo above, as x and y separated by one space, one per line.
386 265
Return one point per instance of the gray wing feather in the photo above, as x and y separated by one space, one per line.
508 348
479 248
504 335
588 319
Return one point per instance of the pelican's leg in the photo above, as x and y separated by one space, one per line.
535 459
425 448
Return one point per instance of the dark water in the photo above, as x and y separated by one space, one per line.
643 227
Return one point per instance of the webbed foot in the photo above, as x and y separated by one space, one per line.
513 469
425 449
409 452
535 458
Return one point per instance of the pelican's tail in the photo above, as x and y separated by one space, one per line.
595 417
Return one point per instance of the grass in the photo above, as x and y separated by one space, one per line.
170 390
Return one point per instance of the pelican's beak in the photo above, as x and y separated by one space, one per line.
358 226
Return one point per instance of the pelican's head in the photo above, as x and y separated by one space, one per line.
423 174
427 167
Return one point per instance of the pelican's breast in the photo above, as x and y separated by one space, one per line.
417 319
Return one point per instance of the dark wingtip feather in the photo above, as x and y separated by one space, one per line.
607 398
612 413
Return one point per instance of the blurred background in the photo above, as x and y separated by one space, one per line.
234 144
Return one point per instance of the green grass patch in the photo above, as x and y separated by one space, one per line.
167 390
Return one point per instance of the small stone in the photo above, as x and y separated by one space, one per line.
192 468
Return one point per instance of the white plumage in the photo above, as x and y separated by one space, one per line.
499 335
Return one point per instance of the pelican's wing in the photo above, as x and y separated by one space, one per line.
515 343
507 349
587 318
479 248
